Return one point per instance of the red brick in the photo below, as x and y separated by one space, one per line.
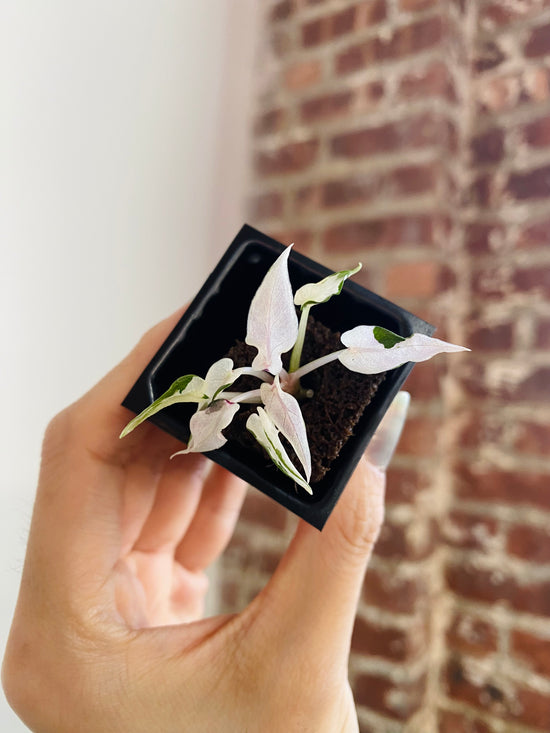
532 650
534 388
369 13
531 437
326 106
532 279
417 280
489 55
412 179
302 75
355 189
487 586
393 593
399 700
315 32
502 14
450 722
282 10
483 238
432 81
397 230
535 236
289 158
529 542
538 43
508 487
542 336
307 199
302 238
395 644
403 485
469 531
533 184
373 92
472 635
267 205
495 338
424 382
411 6
343 22
525 706
535 85
395 541
420 131
271 121
488 147
328 27
263 511
537 133
413 38
354 57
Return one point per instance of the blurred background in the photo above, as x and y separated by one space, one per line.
413 135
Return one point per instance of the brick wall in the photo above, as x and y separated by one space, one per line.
414 135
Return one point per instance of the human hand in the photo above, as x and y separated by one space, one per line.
107 633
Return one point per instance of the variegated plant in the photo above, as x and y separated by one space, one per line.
274 329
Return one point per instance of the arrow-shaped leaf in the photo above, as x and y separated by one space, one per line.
206 427
372 349
272 321
189 388
265 432
320 292
285 412
220 376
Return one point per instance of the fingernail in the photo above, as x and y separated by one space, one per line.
384 442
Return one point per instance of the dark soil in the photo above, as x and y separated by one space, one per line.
340 397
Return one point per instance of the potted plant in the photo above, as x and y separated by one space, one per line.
286 399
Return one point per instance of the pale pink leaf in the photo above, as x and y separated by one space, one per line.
285 412
373 349
272 325
206 426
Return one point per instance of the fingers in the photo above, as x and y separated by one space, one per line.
312 598
177 498
313 595
82 505
214 521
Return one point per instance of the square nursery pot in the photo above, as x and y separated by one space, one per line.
217 317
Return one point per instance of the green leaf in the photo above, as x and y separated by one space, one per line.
388 339
188 388
265 432
320 292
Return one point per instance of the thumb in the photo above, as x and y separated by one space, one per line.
312 598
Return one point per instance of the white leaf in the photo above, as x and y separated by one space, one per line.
265 432
220 376
285 412
189 388
372 349
320 292
272 321
206 426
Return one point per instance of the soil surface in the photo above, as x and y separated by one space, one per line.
339 399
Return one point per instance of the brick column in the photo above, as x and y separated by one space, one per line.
413 135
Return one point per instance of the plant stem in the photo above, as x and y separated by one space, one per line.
264 376
316 363
252 396
299 345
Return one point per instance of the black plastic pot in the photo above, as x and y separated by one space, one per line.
217 317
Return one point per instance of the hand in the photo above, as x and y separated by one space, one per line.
107 635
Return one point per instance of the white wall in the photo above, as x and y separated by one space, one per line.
118 118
